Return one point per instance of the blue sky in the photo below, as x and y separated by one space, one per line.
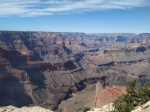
89 16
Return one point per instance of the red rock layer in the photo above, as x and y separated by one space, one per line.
107 95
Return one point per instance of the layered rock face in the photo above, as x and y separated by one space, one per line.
141 38
106 95
44 68
24 80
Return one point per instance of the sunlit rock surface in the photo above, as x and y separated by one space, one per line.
23 109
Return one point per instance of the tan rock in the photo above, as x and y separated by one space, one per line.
23 109
144 108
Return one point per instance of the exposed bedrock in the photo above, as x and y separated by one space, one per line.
45 68
105 95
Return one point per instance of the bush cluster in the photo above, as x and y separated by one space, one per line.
134 97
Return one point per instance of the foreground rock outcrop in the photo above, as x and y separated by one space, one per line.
23 109
109 108
106 108
144 108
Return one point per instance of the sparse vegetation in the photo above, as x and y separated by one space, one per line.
85 109
134 97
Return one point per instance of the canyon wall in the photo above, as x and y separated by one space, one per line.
44 68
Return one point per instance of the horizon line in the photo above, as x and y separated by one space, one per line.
71 32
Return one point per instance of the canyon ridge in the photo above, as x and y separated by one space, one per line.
67 71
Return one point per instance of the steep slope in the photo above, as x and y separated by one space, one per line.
105 95
44 68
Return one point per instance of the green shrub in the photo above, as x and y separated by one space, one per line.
134 97
85 109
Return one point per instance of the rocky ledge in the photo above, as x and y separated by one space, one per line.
109 108
144 108
106 108
23 109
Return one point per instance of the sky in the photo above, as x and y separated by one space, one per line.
88 16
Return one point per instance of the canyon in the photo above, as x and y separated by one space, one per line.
60 71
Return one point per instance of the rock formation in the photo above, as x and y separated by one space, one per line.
105 95
143 108
23 109
107 108
44 68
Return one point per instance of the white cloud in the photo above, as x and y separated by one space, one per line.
50 7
